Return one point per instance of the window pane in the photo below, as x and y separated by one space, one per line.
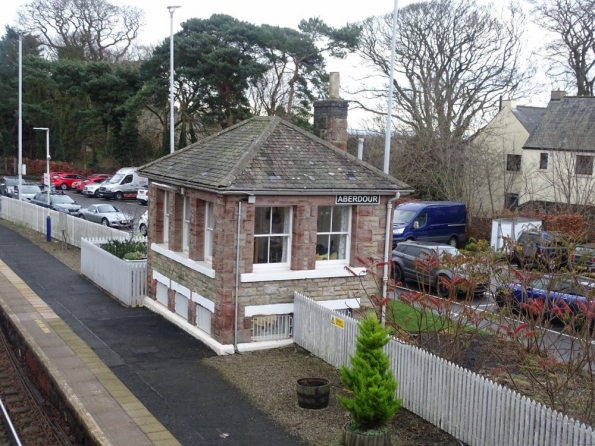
340 219
324 218
322 245
262 224
279 221
261 250
278 250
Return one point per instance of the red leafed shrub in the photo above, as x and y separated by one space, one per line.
39 167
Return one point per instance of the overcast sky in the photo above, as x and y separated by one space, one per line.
272 12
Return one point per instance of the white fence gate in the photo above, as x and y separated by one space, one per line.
64 227
464 404
123 279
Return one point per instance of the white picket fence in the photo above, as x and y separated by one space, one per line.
466 405
125 280
64 227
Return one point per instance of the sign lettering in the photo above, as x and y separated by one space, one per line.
357 199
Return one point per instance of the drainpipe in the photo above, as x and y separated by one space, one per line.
237 290
360 148
388 243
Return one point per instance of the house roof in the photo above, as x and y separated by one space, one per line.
567 124
268 155
528 116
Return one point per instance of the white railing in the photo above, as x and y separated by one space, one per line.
271 327
123 279
64 227
466 405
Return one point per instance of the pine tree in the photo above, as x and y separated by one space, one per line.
370 379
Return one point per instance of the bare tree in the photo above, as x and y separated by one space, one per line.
93 30
454 59
573 50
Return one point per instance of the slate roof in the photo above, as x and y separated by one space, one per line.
528 116
268 155
568 124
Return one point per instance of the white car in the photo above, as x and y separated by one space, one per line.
143 223
142 195
92 189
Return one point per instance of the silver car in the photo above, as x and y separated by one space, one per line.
107 215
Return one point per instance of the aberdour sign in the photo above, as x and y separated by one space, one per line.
357 199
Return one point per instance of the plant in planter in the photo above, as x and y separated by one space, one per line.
371 383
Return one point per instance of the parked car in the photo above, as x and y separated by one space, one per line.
534 248
28 191
107 215
59 201
65 180
408 265
78 186
92 189
7 185
143 223
553 294
143 196
52 176
582 258
430 221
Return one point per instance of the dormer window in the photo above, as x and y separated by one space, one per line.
273 176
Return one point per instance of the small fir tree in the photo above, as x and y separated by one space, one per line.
369 379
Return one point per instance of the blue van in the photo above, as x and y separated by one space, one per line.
431 221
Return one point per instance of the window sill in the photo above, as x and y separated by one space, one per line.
319 273
182 257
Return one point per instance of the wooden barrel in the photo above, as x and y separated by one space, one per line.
351 438
313 393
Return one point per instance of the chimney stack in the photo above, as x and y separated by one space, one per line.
558 95
330 116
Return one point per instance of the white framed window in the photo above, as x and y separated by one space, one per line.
181 305
272 233
165 217
584 165
209 220
203 318
333 233
186 225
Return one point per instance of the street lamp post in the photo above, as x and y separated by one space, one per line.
171 10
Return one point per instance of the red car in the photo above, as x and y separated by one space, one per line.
64 180
52 176
78 186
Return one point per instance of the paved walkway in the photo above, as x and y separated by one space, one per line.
146 368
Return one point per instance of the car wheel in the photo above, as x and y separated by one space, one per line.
143 229
453 241
81 216
397 273
118 196
442 286
96 193
104 222
63 186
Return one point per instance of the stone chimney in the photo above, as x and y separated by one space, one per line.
558 95
330 116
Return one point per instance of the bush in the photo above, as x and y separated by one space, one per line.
126 249
370 379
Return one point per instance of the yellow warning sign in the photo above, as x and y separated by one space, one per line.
337 321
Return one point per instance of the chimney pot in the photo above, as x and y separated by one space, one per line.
334 84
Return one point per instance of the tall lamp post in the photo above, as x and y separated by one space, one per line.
171 10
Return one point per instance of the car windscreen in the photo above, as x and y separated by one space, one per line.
30 189
402 216
116 179
447 250
12 181
106 208
62 199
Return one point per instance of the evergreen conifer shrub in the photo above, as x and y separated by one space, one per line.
370 379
